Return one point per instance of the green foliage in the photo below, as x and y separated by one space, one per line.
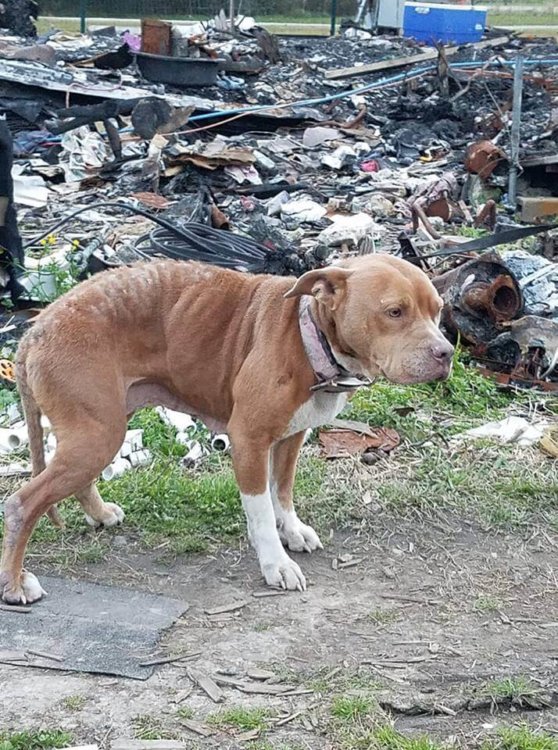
44 739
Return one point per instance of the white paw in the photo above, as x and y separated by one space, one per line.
112 515
285 574
298 537
32 589
29 590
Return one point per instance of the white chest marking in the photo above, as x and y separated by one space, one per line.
320 408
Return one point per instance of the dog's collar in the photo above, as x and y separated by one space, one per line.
332 376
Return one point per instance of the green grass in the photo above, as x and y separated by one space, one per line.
381 616
74 702
185 712
150 728
487 483
355 736
245 719
44 739
525 19
387 738
522 738
509 688
487 603
351 708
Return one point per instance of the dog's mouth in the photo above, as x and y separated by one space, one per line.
427 375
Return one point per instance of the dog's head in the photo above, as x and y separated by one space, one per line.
381 316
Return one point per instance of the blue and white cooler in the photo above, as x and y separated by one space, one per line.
453 24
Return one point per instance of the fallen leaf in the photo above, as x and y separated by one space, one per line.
342 443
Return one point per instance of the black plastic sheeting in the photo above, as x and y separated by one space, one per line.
91 628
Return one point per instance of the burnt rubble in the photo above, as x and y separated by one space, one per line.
290 160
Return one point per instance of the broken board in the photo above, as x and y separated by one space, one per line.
86 627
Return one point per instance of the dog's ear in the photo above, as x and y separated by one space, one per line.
326 285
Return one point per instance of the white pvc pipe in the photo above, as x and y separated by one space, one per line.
11 440
221 443
140 458
177 419
184 438
132 442
194 454
118 467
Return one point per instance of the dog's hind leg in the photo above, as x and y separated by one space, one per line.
97 512
34 427
84 448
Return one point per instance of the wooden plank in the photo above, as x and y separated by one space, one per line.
399 62
540 161
208 685
375 67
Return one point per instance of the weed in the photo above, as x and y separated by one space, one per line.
350 708
471 232
509 688
387 738
522 738
150 728
74 702
44 739
381 616
487 603
327 681
7 397
263 627
185 712
240 718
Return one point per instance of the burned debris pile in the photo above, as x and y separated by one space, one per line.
234 147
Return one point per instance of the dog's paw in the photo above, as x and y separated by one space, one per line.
298 537
112 515
28 591
285 574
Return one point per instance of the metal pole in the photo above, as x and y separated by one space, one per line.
231 13
82 15
333 17
516 129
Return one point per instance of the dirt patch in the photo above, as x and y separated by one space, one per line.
450 628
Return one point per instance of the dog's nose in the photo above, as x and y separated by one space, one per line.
442 350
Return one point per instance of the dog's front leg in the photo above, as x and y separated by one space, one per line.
251 465
294 534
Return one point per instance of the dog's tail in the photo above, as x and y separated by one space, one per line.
32 415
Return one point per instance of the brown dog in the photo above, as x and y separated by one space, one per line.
256 356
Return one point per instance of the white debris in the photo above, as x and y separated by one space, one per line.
509 430
350 230
303 210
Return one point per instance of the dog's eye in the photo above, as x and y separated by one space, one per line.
396 312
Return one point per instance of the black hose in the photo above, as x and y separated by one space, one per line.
195 241
106 204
